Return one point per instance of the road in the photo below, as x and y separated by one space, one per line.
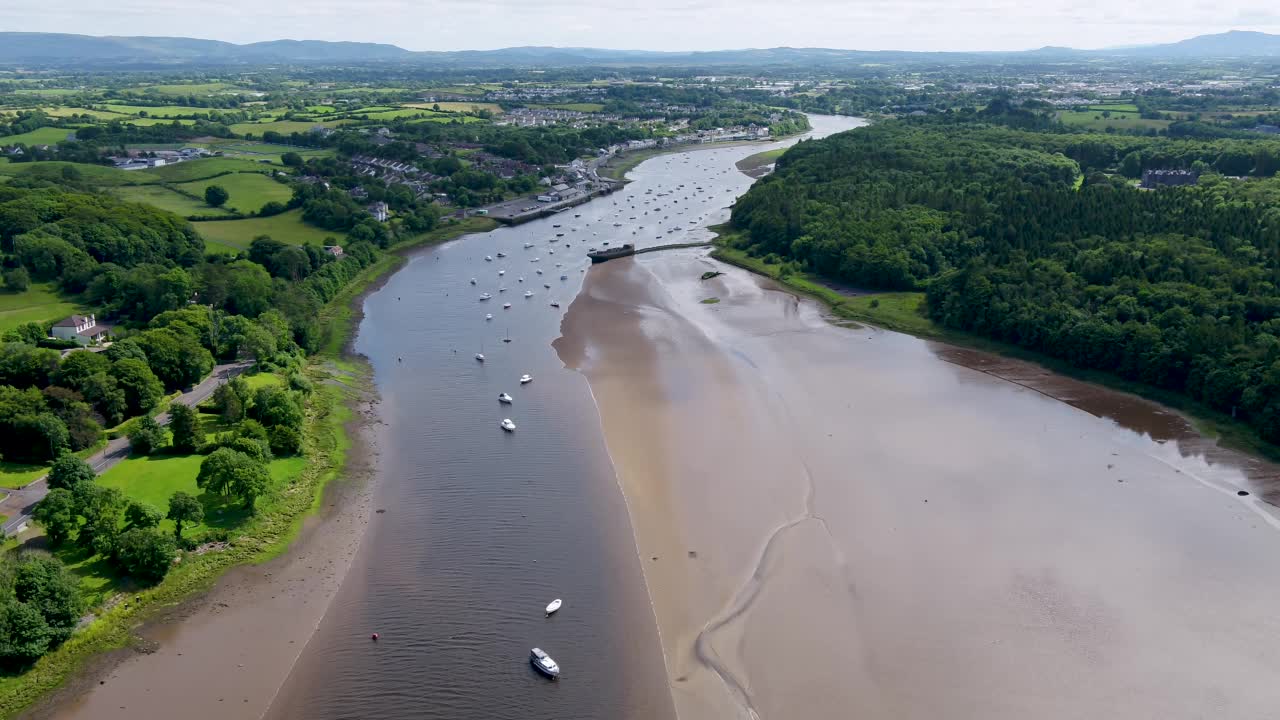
20 502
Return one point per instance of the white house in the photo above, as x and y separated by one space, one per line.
80 328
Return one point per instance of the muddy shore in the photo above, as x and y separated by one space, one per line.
838 521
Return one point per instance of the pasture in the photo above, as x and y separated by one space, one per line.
39 303
286 227
248 191
39 136
162 197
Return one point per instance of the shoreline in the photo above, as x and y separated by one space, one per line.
345 377
1231 434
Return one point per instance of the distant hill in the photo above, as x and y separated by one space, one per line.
66 49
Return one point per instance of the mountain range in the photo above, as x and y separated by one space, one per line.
18 48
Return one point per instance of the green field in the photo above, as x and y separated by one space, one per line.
1115 107
17 475
448 118
62 111
283 127
39 136
97 174
460 106
202 169
285 227
159 111
162 197
148 122
249 191
192 89
269 151
579 107
40 303
1093 120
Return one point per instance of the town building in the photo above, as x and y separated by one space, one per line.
1152 179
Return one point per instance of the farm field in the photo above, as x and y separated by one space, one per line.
202 169
1093 120
97 174
281 126
286 227
148 122
39 136
1115 107
63 111
460 106
159 111
39 303
269 151
162 197
191 89
249 191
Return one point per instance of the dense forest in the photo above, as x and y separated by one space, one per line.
1039 239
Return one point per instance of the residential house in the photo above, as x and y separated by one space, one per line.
380 211
83 329
1167 178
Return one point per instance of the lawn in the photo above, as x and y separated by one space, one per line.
101 175
460 106
262 379
203 169
162 197
285 227
39 136
1093 120
249 191
268 151
18 475
40 303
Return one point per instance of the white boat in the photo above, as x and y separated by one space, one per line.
555 304
528 293
480 357
488 316
508 425
501 273
525 379
553 252
502 254
506 306
504 398
564 277
488 258
521 279
554 606
473 281
535 260
485 296
528 245
538 271
544 664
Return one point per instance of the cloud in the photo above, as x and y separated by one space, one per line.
658 24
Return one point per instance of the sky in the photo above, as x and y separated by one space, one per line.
657 24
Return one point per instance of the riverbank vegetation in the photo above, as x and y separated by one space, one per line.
1173 288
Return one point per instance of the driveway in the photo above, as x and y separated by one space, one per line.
20 502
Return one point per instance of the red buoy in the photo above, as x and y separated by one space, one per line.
375 636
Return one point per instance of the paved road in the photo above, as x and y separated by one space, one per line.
19 503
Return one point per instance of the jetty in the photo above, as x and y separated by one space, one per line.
599 256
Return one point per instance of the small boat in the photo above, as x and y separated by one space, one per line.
553 252
501 273
528 293
502 254
554 606
502 290
539 272
544 664
559 234
488 258
547 286
473 281
526 379
555 304
555 226
485 296
535 260
528 245
564 277
504 399
521 279
488 316
480 357
506 306
508 425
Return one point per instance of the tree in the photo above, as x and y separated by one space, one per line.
24 634
184 509
42 582
147 437
216 196
141 389
17 279
146 554
57 513
291 159
142 515
102 509
231 472
184 423
68 470
285 440
228 403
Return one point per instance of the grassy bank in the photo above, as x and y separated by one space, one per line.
298 487
904 312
